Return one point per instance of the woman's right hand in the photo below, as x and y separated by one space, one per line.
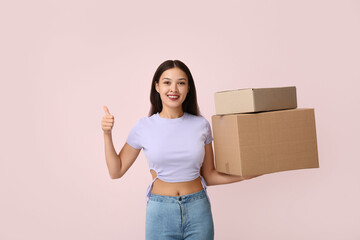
107 122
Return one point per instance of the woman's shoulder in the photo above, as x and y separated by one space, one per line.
147 119
197 118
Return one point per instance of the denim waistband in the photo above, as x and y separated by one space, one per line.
176 199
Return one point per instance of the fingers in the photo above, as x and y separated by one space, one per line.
108 117
106 110
107 122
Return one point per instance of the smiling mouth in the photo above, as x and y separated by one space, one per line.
174 98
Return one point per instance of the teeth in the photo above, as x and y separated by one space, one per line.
173 96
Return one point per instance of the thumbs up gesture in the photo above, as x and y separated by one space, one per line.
107 122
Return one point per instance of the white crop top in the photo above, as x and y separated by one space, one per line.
174 148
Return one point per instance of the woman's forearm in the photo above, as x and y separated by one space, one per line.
113 161
217 178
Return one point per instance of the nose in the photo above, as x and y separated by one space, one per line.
174 87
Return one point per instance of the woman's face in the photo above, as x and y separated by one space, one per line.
173 82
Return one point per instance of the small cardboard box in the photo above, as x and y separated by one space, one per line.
255 100
258 143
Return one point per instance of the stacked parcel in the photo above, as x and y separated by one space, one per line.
261 130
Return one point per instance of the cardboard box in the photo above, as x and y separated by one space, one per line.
255 100
258 143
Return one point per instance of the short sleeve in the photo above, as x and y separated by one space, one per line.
134 137
208 134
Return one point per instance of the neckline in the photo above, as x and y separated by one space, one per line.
171 120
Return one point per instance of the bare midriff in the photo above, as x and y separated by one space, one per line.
177 188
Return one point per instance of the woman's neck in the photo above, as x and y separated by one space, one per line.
171 113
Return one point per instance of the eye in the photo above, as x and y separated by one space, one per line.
166 82
183 83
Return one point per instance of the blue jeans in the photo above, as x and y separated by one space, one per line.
179 217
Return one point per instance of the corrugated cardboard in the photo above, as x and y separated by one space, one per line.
258 143
255 100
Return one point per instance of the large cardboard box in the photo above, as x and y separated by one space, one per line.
258 143
255 100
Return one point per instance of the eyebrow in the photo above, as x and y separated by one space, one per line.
170 78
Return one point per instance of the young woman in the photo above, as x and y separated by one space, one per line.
177 142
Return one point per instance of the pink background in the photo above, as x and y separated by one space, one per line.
62 61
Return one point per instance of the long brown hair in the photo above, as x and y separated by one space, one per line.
190 104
